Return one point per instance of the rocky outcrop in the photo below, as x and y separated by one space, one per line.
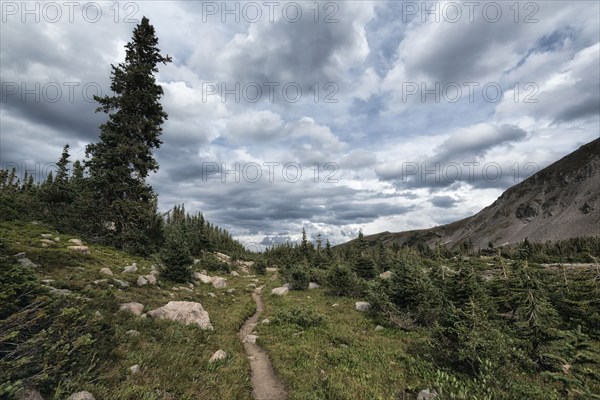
186 312
133 308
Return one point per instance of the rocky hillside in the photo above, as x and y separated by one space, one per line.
559 202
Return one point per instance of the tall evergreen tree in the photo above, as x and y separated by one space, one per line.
121 161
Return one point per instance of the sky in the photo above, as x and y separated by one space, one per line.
335 116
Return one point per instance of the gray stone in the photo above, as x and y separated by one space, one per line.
151 279
379 328
130 268
47 235
76 242
280 291
106 271
30 394
362 306
186 312
202 277
385 275
218 283
234 273
20 255
313 285
134 369
219 355
427 394
269 269
121 284
80 249
100 281
141 281
81 396
250 339
133 308
132 332
26 262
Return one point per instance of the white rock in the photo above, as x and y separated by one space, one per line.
47 242
313 285
362 306
100 281
269 269
76 242
132 332
133 308
219 355
385 275
230 290
175 288
280 291
186 312
212 294
151 279
265 321
427 394
121 284
134 369
80 249
46 235
30 394
26 262
218 283
379 328
223 257
106 271
141 281
130 268
287 285
202 277
250 339
56 239
81 396
234 273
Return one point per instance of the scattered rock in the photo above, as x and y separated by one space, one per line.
47 281
133 308
30 394
250 339
132 332
175 288
186 312
202 277
362 306
20 255
234 273
313 285
230 290
287 285
141 281
134 369
196 261
223 257
269 269
265 321
252 285
218 283
100 281
219 355
47 242
62 292
280 291
427 394
56 239
150 278
379 328
26 262
76 242
80 249
187 289
130 268
212 294
335 305
386 275
46 235
81 396
106 271
121 284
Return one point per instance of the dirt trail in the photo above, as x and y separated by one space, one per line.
266 385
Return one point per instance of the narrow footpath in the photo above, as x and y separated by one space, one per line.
266 385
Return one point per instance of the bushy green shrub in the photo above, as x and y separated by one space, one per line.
260 267
175 258
341 281
299 278
211 263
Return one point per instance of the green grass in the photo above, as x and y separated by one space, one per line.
173 357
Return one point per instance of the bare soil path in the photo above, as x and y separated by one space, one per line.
266 385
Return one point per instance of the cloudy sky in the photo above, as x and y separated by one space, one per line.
334 116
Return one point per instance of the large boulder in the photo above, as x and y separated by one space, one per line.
133 308
362 306
142 281
130 268
313 285
186 312
218 283
280 291
81 396
150 278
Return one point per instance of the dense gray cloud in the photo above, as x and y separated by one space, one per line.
366 158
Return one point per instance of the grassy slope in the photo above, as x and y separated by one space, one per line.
173 358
